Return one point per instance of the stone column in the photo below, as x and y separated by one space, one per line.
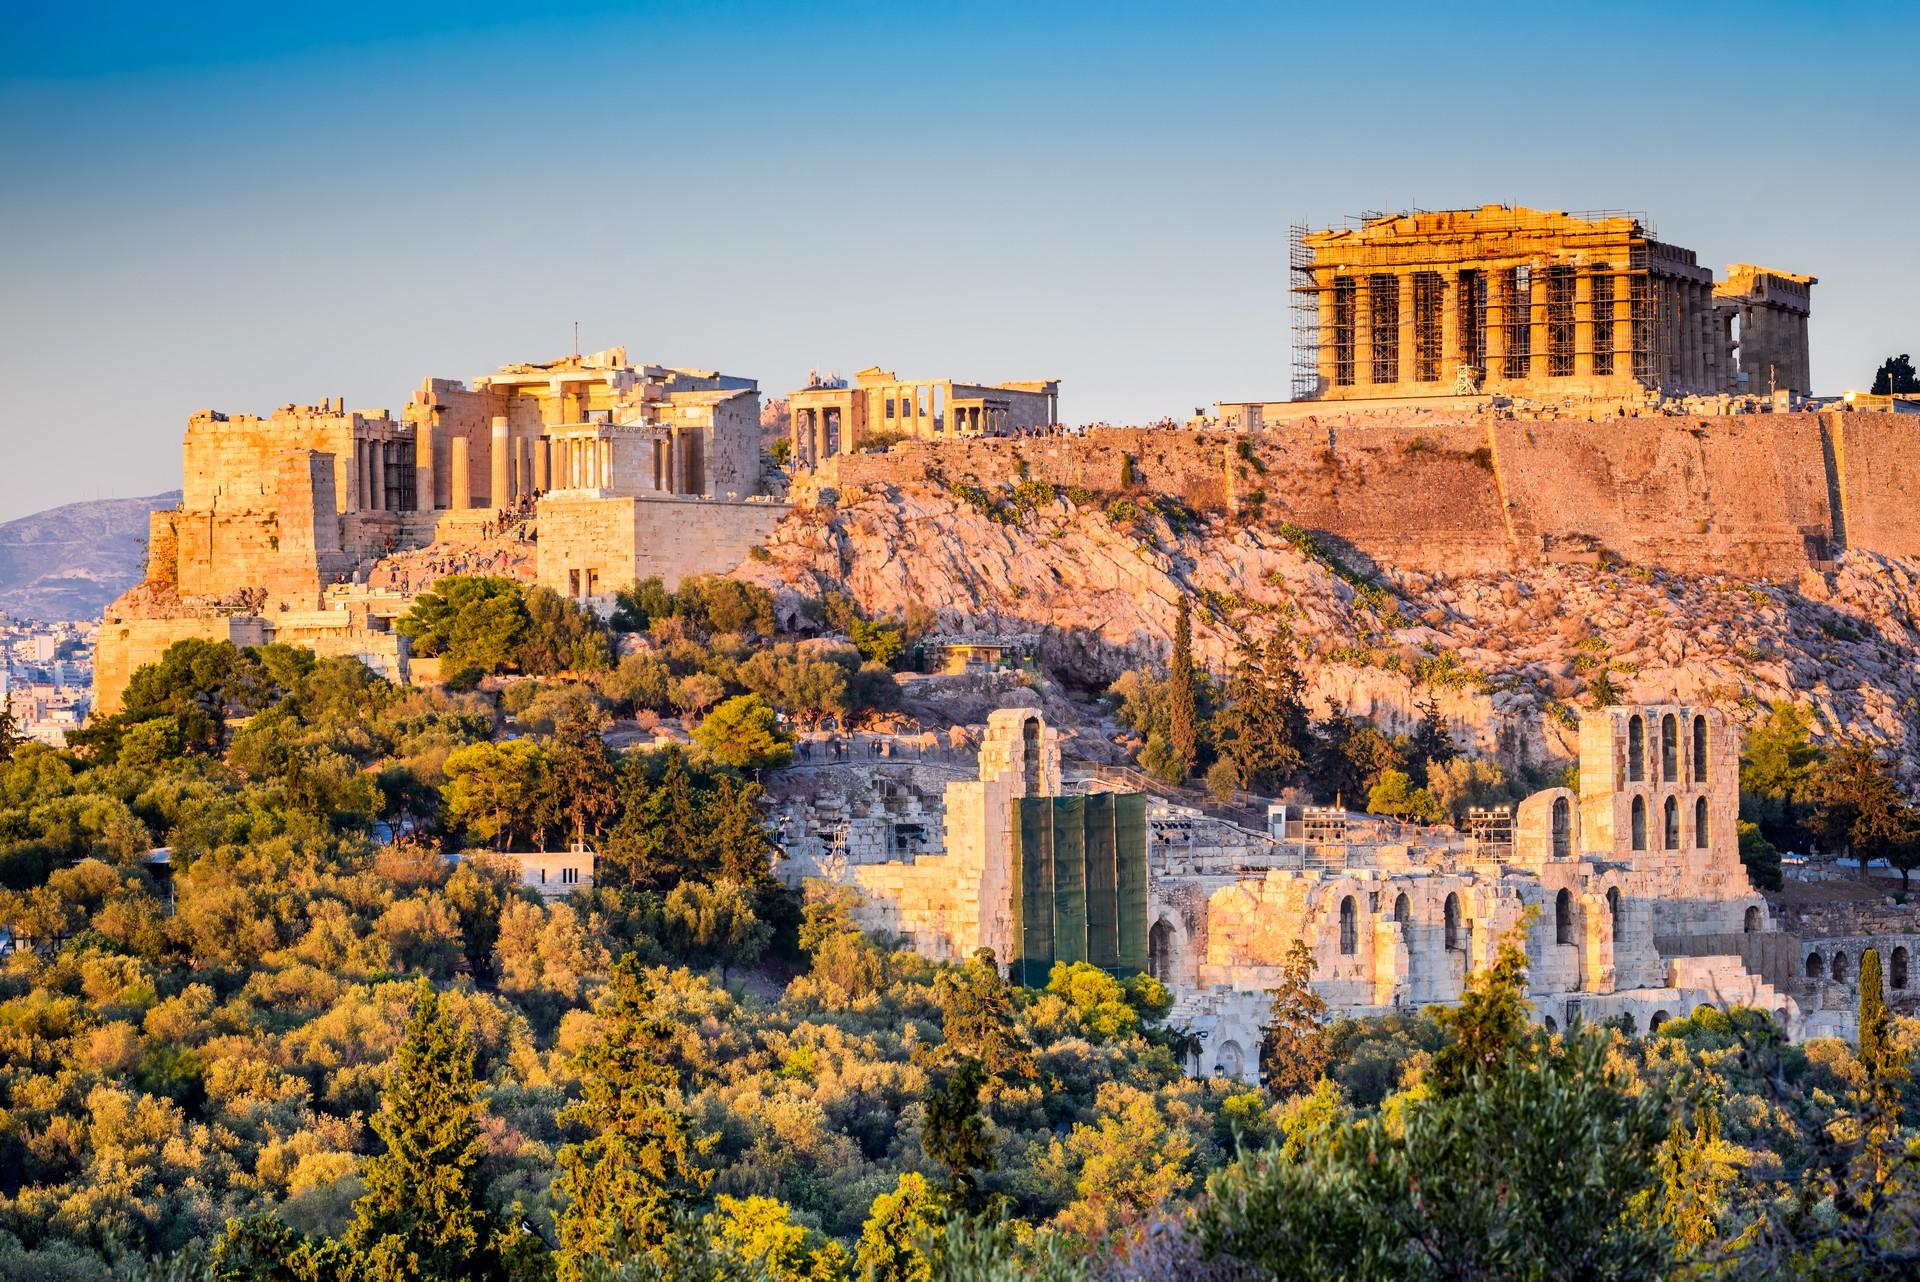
542 477
423 434
1324 292
1623 324
1582 323
673 452
1362 331
1403 284
498 495
1494 282
819 444
462 497
1690 330
1537 322
1451 355
606 463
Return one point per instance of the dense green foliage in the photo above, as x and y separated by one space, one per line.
314 1052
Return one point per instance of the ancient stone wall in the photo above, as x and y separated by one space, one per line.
127 645
624 539
1756 495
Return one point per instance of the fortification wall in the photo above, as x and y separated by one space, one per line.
127 645
624 539
1754 495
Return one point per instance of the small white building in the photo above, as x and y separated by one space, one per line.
554 874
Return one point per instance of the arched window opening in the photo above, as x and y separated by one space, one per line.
1030 757
1897 968
1562 828
1669 748
1613 908
1816 966
1160 950
1552 1025
1453 923
1659 1017
1840 968
1670 816
1233 1060
1639 823
1699 749
1700 834
1563 918
1403 910
1753 920
1349 927
1636 750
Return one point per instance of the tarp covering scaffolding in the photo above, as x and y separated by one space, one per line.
1079 883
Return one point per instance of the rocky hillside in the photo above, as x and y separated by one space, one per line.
1510 655
69 562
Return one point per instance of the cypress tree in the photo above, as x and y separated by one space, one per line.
640 1157
424 1212
1183 704
1874 1021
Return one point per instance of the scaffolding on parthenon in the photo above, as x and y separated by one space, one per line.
1549 317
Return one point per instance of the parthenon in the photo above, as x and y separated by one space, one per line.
1519 301
831 416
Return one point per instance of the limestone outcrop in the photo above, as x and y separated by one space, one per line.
1511 654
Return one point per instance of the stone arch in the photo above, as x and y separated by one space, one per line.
1562 828
1670 824
1030 756
1816 966
1753 919
1161 941
1563 917
1452 917
1613 908
1639 823
1349 927
1553 1025
1839 968
1636 749
1897 967
1403 909
1700 834
1659 1017
1231 1060
1699 748
1669 748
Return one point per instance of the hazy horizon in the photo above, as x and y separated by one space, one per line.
237 208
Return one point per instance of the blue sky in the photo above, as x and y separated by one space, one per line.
243 204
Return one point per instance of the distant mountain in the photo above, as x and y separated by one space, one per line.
69 562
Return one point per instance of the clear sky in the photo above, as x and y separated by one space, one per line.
236 205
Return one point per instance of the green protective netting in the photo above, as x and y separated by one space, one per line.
1079 884
1032 890
1069 879
1103 906
1130 847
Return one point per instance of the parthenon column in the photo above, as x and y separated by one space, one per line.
462 497
1451 357
1623 294
1362 330
542 478
1582 323
1690 335
497 495
1403 286
1537 345
1495 327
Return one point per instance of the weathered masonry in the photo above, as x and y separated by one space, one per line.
1530 303
831 416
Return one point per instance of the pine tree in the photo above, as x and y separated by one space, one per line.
1183 703
640 1158
10 737
1875 1023
583 796
955 1133
424 1212
1264 728
979 1007
1433 741
1294 1052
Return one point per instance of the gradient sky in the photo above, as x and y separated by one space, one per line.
248 204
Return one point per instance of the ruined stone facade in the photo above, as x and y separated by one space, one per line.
276 510
1540 304
1630 894
830 416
